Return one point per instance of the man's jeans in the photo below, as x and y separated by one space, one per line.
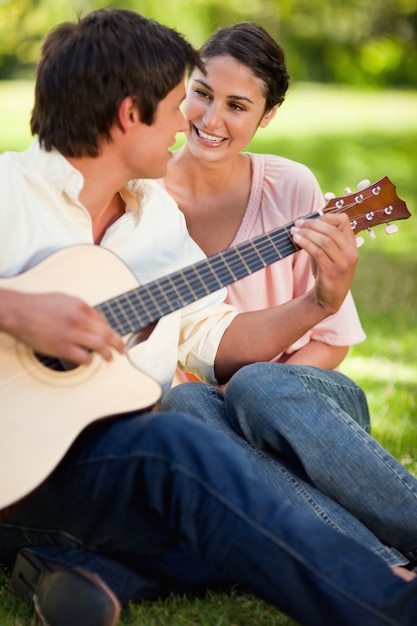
301 426
130 492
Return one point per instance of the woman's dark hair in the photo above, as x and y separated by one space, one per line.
87 68
252 46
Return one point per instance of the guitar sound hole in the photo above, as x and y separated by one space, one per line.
57 365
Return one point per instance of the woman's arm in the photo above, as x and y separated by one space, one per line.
318 354
261 335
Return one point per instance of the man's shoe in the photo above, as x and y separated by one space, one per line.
63 596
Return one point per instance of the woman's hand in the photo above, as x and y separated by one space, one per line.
331 244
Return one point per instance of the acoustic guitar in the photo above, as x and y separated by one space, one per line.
45 406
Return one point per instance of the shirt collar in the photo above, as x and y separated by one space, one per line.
55 168
65 178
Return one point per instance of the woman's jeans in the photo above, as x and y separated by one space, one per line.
131 490
300 424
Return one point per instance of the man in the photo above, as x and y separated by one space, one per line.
132 493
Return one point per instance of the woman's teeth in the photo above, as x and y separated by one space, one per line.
207 137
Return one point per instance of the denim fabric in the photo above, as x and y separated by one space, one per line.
150 483
297 423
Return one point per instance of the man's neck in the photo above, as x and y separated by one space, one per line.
107 216
100 193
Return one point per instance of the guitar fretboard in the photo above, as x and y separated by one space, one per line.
144 305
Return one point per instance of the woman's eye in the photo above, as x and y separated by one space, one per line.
201 93
236 107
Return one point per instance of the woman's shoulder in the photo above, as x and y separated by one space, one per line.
285 183
276 167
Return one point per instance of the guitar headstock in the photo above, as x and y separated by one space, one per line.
370 206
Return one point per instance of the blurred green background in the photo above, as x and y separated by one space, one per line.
350 114
360 42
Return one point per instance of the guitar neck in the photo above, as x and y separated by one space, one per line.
139 308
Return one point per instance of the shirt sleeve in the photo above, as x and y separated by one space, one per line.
201 331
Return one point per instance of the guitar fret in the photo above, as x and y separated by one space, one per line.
137 312
113 311
206 276
169 294
165 287
187 281
153 295
219 283
275 248
212 281
146 305
203 281
139 307
258 254
244 264
174 289
110 314
227 267
124 317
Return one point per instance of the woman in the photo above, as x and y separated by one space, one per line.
229 196
315 455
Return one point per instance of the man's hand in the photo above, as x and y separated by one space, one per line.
58 325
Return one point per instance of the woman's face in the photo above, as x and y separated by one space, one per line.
223 108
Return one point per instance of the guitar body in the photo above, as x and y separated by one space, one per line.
43 410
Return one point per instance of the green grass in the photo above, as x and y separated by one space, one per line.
344 135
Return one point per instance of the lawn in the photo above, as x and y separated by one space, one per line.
344 135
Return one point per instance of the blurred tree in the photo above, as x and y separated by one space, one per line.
359 42
23 24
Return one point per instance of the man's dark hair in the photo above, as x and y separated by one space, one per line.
87 68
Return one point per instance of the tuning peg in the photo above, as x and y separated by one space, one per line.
363 184
391 229
347 191
359 241
371 233
329 195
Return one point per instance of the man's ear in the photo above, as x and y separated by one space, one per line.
268 116
128 113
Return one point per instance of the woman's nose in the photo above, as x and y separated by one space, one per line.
212 116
